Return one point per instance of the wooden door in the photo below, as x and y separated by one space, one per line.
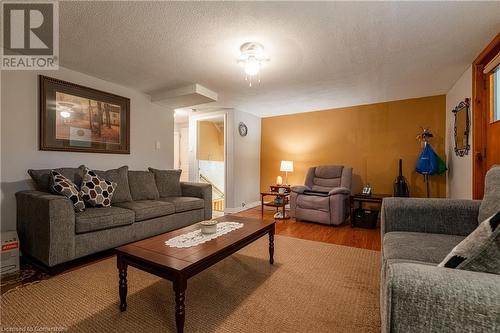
486 115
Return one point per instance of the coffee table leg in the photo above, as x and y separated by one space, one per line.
122 273
271 245
180 309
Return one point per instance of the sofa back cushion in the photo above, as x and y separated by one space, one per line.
142 185
329 171
491 200
41 177
168 182
120 177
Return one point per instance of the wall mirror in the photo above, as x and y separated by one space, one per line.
462 128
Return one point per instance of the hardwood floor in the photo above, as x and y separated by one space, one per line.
340 235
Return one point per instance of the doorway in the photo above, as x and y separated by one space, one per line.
210 158
200 152
486 113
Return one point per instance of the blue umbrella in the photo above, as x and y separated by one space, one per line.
429 163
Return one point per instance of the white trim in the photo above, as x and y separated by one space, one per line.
240 209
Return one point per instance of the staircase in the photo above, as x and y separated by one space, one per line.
217 195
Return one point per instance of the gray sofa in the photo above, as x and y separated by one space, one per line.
324 197
418 296
53 233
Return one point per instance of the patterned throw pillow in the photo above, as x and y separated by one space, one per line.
62 185
95 190
480 251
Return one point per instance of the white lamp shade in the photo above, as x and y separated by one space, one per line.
286 166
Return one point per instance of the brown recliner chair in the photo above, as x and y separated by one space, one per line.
325 196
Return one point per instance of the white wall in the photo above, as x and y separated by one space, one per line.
246 160
19 134
181 161
459 177
214 171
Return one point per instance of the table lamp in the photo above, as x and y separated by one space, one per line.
286 166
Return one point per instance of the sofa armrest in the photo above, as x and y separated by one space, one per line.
339 190
424 298
199 190
299 189
440 216
46 226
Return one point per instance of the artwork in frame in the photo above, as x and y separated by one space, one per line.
81 119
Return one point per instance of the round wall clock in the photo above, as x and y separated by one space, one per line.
242 128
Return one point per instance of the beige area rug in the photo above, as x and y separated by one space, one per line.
312 287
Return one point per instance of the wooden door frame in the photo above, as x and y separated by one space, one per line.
480 112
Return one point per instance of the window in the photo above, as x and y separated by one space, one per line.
496 94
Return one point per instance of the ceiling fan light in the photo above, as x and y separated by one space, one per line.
65 114
252 66
252 57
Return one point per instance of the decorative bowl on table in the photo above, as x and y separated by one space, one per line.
209 226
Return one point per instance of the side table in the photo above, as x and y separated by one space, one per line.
275 194
366 217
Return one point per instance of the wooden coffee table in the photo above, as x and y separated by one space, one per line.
179 264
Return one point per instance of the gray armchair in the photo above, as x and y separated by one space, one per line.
418 296
324 198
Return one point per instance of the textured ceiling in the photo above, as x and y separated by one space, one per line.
323 55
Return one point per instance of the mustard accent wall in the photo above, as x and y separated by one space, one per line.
211 142
370 138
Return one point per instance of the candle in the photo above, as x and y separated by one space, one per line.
279 180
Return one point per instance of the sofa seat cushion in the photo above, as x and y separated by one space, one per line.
184 204
94 219
424 247
313 202
148 209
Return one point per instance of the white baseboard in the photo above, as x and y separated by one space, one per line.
240 209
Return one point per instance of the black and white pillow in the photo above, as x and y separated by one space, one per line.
95 190
62 185
480 251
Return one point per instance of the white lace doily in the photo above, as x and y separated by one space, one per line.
196 237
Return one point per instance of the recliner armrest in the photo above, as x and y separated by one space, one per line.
299 189
339 190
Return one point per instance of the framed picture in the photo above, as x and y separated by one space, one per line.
82 119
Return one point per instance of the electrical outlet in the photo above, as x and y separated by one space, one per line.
243 204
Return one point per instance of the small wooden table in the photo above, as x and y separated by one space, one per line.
179 264
360 199
284 196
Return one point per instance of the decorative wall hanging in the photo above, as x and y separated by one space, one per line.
82 119
462 128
